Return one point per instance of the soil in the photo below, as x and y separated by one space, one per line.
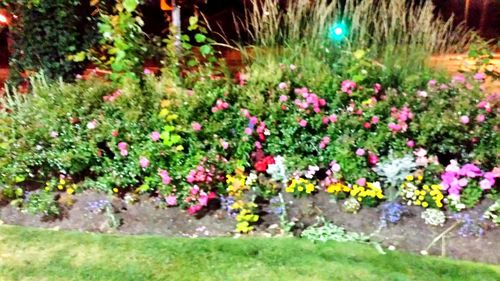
144 217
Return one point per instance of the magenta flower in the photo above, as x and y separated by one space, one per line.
458 78
470 170
196 126
144 162
410 143
464 119
372 158
360 152
303 123
377 87
155 136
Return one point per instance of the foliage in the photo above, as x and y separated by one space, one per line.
42 203
323 231
45 33
493 213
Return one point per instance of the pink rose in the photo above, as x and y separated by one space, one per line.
410 143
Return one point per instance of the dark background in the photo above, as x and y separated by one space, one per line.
483 16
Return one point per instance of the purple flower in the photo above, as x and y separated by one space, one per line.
480 76
470 170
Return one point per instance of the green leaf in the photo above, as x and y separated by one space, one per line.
193 20
130 5
205 50
200 38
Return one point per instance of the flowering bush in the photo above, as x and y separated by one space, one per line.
189 142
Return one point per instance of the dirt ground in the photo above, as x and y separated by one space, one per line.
144 217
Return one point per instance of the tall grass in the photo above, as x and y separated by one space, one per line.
397 33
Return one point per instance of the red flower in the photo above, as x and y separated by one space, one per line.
372 158
261 166
367 125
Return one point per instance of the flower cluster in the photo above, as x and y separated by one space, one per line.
220 105
113 96
455 178
433 217
201 175
300 187
309 100
366 194
197 199
64 183
246 217
415 192
402 117
348 86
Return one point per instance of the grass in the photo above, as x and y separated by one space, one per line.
35 254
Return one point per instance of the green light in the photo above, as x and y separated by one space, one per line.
337 32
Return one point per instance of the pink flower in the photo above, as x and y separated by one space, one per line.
147 71
486 184
394 127
410 143
480 76
303 123
375 119
155 136
464 119
253 120
480 118
377 87
196 126
282 86
171 200
360 152
194 209
422 94
123 152
458 78
283 98
333 118
144 162
54 134
165 178
122 145
348 86
224 144
372 158
325 120
248 131
92 124
115 133
432 83
335 167
361 182
470 170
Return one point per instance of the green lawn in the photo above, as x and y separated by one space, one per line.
33 254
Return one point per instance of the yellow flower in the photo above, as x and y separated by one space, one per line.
421 197
409 178
115 190
439 204
289 189
70 190
300 188
420 177
60 187
309 188
417 202
425 204
62 181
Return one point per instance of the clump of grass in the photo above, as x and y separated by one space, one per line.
398 34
